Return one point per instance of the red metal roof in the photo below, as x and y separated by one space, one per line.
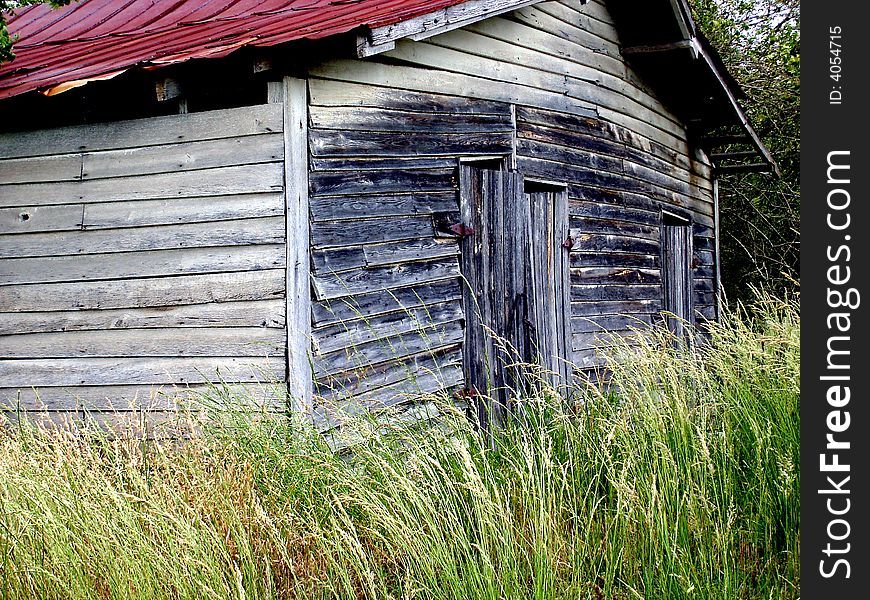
97 39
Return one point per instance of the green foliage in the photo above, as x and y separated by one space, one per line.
6 40
679 481
759 41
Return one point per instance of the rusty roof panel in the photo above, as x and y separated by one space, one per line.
93 39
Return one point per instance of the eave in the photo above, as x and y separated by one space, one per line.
663 45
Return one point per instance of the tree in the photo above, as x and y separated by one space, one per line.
759 41
6 40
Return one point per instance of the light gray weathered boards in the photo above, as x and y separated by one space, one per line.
409 210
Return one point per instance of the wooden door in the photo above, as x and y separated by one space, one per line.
550 292
676 272
515 294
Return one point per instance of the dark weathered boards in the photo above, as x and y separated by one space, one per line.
495 266
516 293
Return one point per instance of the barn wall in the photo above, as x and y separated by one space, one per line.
385 134
141 255
387 315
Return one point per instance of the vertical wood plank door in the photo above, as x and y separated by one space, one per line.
550 289
516 286
676 272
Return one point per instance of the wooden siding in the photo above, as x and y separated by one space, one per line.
168 234
544 87
140 257
386 282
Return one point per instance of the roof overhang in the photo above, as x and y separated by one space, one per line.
95 40
381 39
664 46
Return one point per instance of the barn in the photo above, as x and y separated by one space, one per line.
347 202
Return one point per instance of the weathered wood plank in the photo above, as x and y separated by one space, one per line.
331 142
172 342
577 176
389 349
266 230
412 388
701 298
703 230
406 121
614 259
587 359
589 242
133 425
661 177
648 200
602 340
601 40
330 92
371 304
266 177
254 313
579 81
414 320
590 16
704 258
560 128
339 183
294 93
704 272
341 259
350 207
186 156
697 175
333 260
216 124
130 293
613 307
329 286
361 231
651 197
156 263
615 227
113 398
380 163
414 250
130 371
703 244
538 143
59 167
35 219
540 32
614 212
614 275
705 312
603 323
590 98
593 292
138 213
703 284
585 152
442 362
460 84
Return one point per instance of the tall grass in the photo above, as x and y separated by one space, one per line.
679 480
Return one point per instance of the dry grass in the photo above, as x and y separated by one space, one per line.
680 481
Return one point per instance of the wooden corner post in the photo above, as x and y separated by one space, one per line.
293 93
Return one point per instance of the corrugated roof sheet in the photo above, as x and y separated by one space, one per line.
98 39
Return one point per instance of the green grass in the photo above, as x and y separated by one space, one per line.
679 481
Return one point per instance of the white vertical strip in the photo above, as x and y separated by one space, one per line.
299 379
